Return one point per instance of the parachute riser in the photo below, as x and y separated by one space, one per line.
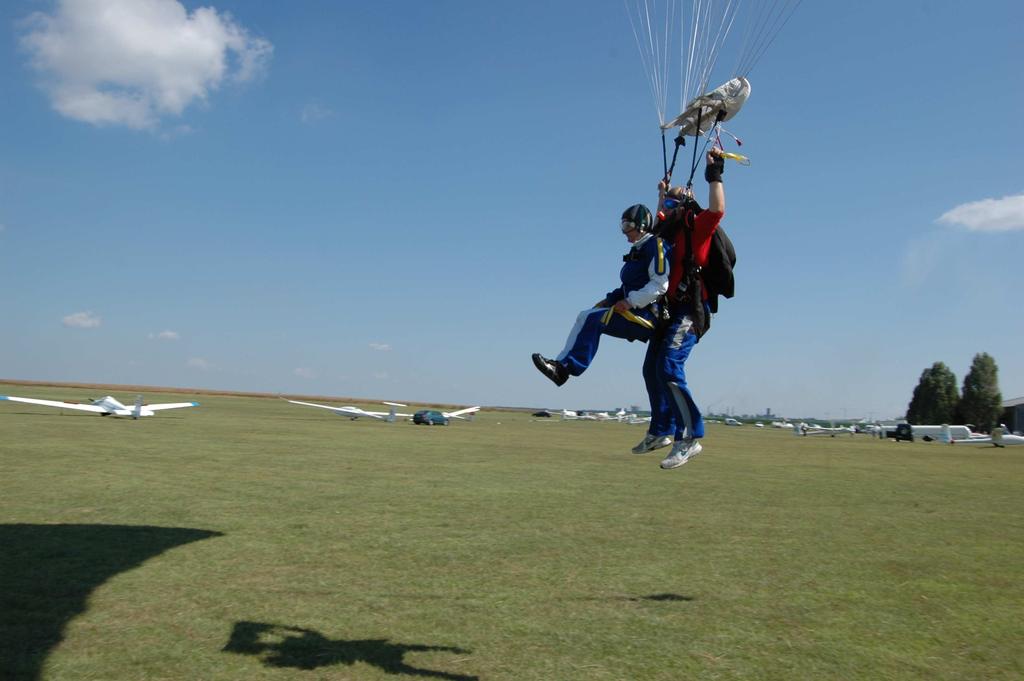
693 161
680 142
664 158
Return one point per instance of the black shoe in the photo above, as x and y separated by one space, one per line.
551 368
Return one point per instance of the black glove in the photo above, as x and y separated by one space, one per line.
713 171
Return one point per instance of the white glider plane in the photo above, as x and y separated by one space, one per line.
999 438
461 413
805 429
106 406
355 412
1002 439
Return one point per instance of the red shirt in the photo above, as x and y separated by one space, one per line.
704 226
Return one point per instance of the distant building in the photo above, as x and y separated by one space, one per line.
1013 414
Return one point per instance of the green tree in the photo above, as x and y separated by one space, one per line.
981 404
935 397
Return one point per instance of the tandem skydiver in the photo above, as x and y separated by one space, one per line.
685 226
630 311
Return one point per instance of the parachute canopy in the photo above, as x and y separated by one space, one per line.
719 105
681 43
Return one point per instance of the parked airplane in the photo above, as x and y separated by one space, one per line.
389 416
944 433
460 413
1002 439
805 429
582 415
355 412
999 438
106 406
619 415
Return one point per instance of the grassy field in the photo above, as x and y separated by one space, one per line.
253 539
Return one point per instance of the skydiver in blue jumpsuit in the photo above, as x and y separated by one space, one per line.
630 311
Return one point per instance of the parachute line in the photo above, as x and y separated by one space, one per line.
764 27
704 30
648 67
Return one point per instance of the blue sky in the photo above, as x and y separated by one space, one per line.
403 200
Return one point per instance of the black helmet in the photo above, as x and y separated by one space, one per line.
636 217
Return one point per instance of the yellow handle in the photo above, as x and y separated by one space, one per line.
739 158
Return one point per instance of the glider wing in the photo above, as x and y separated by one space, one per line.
169 405
460 414
60 405
353 412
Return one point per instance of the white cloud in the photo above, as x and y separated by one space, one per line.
988 215
304 373
82 320
382 347
130 62
199 363
165 335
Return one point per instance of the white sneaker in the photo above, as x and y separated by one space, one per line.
682 451
652 442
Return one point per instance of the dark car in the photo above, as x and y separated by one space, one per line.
429 417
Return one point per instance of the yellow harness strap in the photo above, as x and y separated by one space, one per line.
628 314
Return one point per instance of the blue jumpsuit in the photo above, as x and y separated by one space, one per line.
673 409
644 277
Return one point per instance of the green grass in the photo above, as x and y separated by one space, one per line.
253 539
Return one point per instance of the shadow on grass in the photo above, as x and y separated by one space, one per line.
283 646
47 573
661 597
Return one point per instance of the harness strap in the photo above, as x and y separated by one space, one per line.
629 315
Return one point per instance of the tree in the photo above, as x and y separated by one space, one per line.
935 397
981 404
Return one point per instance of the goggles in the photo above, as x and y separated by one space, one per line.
670 203
627 226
